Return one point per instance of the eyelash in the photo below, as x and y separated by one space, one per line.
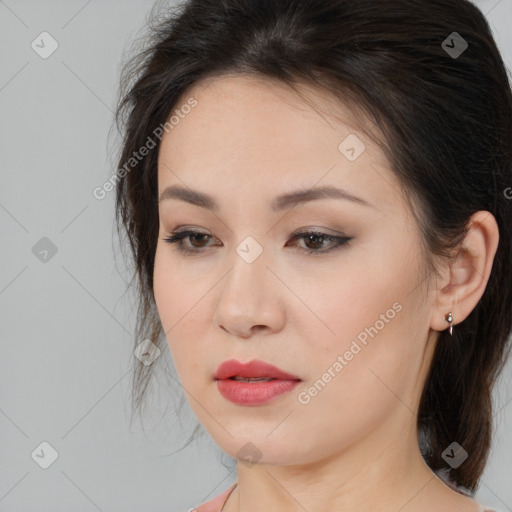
178 237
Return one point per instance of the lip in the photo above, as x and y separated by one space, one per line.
253 393
254 368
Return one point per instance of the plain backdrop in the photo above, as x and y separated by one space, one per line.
67 323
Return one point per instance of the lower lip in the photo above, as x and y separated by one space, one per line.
254 393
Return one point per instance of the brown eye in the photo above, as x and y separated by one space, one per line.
315 240
196 240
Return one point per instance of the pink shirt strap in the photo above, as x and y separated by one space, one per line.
217 503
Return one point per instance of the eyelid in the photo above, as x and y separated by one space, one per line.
324 231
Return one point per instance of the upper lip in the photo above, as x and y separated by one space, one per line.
254 368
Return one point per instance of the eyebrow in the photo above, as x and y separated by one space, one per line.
281 202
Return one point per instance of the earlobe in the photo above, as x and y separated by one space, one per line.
468 273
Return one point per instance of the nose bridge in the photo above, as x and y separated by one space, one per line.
249 296
247 280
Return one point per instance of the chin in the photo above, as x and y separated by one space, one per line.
257 448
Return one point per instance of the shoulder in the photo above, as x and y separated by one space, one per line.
217 503
445 477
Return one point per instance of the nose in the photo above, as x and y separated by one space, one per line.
251 299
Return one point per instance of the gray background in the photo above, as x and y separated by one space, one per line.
67 321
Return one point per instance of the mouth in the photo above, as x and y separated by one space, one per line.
254 383
253 371
252 379
253 392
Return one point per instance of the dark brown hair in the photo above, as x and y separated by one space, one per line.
446 121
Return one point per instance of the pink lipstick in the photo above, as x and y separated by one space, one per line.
253 383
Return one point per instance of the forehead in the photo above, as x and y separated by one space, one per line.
252 133
268 109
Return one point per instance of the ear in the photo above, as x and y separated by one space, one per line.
465 276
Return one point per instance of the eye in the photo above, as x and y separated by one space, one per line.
198 241
315 241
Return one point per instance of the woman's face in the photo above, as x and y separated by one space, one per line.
350 319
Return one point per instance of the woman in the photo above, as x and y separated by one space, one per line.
317 199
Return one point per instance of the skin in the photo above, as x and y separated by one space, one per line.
354 445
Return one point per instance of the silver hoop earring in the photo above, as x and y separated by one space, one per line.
449 319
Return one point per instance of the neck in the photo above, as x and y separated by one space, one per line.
382 472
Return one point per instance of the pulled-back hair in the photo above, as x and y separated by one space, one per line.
446 125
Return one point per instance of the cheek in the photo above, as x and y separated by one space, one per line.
357 375
338 306
181 304
365 317
163 289
176 293
368 300
166 291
